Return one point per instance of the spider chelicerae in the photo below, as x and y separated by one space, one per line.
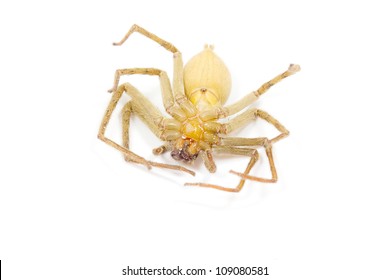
195 102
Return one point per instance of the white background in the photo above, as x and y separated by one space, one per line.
71 208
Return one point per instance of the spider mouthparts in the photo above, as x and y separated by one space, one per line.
185 149
183 155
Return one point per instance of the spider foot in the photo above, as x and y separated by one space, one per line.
253 178
294 68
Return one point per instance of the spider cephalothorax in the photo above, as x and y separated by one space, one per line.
195 135
195 102
207 84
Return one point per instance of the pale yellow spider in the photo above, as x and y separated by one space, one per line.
195 105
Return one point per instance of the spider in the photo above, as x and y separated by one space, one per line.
195 103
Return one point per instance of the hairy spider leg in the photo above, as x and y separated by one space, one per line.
274 179
165 85
242 120
252 153
178 84
226 111
253 96
267 143
136 28
232 145
149 119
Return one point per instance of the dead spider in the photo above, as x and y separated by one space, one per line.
195 105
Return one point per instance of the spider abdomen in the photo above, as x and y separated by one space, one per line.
207 80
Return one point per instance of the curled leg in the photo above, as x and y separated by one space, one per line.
261 141
252 153
243 119
139 102
274 175
177 83
107 116
126 112
165 85
246 117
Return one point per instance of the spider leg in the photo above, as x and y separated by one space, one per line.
219 112
126 113
148 114
136 28
166 89
229 145
243 119
274 175
185 107
107 116
252 153
253 96
168 100
208 160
